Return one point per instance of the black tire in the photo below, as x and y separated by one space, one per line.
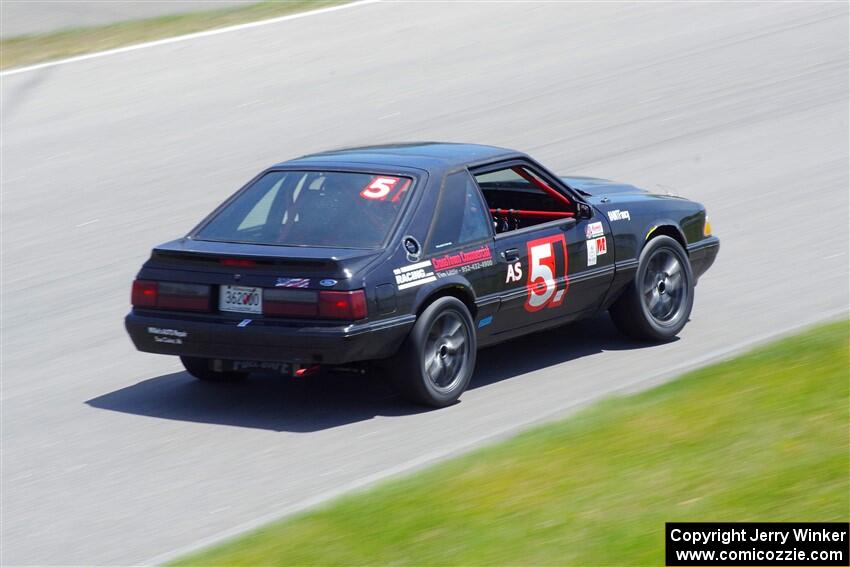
436 361
657 303
201 368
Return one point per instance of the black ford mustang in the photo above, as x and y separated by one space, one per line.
415 255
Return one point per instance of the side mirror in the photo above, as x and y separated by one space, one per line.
583 211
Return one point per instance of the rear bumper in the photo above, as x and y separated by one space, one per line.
702 254
265 341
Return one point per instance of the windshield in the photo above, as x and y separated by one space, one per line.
312 208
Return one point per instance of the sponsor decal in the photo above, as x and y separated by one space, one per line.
593 230
591 252
414 275
617 214
514 272
329 282
596 247
244 322
601 246
547 258
462 262
485 321
292 282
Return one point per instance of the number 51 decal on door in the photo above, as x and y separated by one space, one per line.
547 258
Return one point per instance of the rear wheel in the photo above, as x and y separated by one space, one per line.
658 302
437 359
202 369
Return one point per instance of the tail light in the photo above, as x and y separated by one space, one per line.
183 297
290 303
342 304
171 295
346 305
144 293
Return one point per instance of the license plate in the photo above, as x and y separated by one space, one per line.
240 299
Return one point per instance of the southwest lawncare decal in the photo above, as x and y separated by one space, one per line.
462 262
170 336
414 275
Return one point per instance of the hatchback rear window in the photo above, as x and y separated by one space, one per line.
310 208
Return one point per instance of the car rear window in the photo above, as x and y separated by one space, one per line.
312 208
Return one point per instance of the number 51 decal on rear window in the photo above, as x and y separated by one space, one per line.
547 272
380 187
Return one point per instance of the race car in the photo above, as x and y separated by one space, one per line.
414 256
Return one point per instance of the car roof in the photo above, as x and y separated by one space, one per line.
424 155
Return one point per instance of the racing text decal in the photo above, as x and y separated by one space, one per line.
414 275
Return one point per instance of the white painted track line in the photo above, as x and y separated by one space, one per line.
182 38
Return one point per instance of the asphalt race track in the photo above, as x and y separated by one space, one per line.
110 456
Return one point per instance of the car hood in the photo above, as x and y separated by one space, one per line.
599 187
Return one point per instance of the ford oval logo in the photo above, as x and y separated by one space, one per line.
328 283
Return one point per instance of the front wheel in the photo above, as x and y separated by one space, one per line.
657 303
438 357
201 368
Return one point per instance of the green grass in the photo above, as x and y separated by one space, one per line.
30 49
763 437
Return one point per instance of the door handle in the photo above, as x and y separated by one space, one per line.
511 254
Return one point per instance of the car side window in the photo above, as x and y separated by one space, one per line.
518 198
461 216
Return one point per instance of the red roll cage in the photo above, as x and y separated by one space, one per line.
543 186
